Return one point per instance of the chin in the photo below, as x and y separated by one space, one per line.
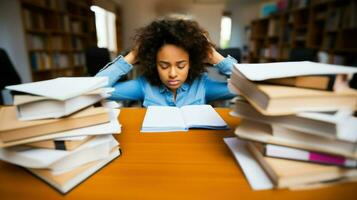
173 87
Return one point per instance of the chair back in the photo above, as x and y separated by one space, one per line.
96 59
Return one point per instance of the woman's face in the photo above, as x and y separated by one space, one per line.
172 63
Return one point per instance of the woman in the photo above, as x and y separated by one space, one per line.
171 54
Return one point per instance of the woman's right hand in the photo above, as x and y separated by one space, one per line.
131 57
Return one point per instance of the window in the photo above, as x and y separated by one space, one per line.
106 28
226 26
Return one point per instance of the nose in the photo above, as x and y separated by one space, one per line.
172 72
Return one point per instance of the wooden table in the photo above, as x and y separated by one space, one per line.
192 165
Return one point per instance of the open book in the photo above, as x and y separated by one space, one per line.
167 119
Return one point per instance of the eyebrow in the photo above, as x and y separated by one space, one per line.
164 62
181 61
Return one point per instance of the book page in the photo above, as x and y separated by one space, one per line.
163 118
73 138
333 116
202 116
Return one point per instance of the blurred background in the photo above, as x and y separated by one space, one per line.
43 39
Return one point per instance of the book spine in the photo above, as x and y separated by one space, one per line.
329 159
60 145
331 82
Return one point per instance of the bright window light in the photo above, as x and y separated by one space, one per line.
106 29
226 27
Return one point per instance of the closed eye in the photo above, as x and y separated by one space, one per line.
164 65
181 64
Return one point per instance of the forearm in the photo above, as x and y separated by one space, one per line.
217 90
115 70
128 90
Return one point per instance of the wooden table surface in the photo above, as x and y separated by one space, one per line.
184 165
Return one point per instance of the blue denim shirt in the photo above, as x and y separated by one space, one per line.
202 90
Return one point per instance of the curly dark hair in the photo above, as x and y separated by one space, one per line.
186 34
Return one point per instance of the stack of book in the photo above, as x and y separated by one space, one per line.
55 131
298 119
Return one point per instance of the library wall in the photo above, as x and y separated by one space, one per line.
136 15
242 14
209 17
325 27
12 38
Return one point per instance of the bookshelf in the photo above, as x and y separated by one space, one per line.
57 33
326 26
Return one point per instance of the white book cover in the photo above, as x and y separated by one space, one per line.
39 158
255 174
265 71
168 119
61 88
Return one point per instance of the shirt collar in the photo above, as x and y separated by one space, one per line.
163 88
183 87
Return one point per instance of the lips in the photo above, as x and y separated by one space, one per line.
173 82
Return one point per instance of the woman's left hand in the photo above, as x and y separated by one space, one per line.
214 57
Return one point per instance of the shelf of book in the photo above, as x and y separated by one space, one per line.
57 33
326 26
